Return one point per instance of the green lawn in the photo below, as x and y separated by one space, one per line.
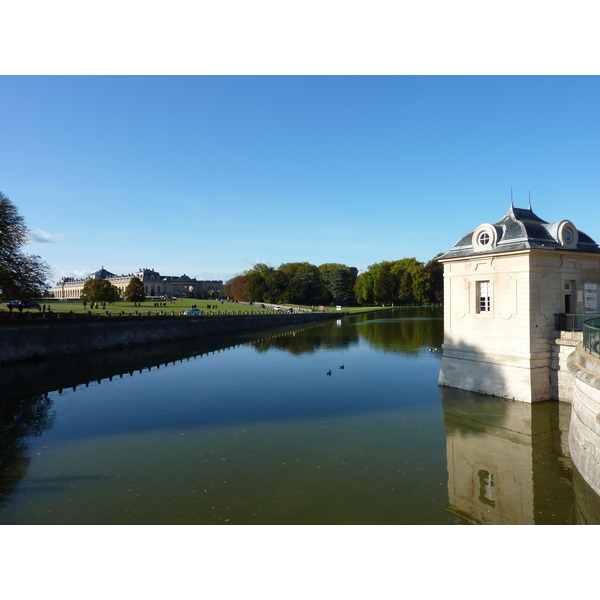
177 306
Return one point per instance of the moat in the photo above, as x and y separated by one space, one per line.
251 429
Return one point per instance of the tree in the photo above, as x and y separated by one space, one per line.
385 285
236 287
99 290
134 292
22 276
276 283
339 283
405 291
363 288
304 288
436 268
256 287
422 285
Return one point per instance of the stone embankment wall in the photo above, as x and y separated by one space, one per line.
561 379
36 341
584 433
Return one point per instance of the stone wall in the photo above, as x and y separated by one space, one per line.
36 341
584 433
561 379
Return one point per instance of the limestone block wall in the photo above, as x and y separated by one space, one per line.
561 379
584 433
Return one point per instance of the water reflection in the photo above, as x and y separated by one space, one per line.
509 462
20 419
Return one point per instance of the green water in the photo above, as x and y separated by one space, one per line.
253 430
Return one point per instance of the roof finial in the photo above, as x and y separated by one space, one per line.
511 199
529 199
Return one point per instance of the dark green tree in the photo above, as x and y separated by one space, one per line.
256 288
99 290
436 270
134 292
385 285
304 288
277 283
405 291
363 288
422 285
339 283
22 276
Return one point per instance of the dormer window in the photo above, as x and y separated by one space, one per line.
485 237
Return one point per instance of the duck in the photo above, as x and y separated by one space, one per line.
329 372
433 349
342 367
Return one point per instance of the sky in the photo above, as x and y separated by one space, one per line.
208 175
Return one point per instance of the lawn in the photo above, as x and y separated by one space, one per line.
169 306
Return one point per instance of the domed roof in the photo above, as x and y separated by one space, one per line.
520 229
101 273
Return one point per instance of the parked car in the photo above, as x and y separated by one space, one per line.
15 304
193 311
278 308
21 304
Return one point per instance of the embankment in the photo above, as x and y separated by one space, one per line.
80 336
584 433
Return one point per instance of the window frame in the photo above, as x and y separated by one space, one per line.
483 298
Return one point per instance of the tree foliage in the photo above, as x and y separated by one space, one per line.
405 282
401 282
134 292
99 290
22 276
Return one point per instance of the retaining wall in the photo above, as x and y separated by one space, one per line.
584 432
60 338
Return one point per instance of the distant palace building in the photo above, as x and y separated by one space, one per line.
155 284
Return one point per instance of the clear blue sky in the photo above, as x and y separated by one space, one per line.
206 175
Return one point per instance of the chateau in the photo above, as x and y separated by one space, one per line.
509 286
155 284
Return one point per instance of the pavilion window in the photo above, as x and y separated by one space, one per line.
484 302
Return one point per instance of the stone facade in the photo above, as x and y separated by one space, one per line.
504 284
155 285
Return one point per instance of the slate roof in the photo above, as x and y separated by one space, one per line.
520 229
101 274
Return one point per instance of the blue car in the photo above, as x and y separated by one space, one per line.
193 311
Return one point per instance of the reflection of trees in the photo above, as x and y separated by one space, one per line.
308 340
20 419
405 334
397 330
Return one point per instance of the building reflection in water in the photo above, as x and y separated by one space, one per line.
509 462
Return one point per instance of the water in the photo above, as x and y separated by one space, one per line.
251 429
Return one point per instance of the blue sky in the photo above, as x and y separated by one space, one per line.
206 175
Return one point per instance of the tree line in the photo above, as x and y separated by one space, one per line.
405 282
